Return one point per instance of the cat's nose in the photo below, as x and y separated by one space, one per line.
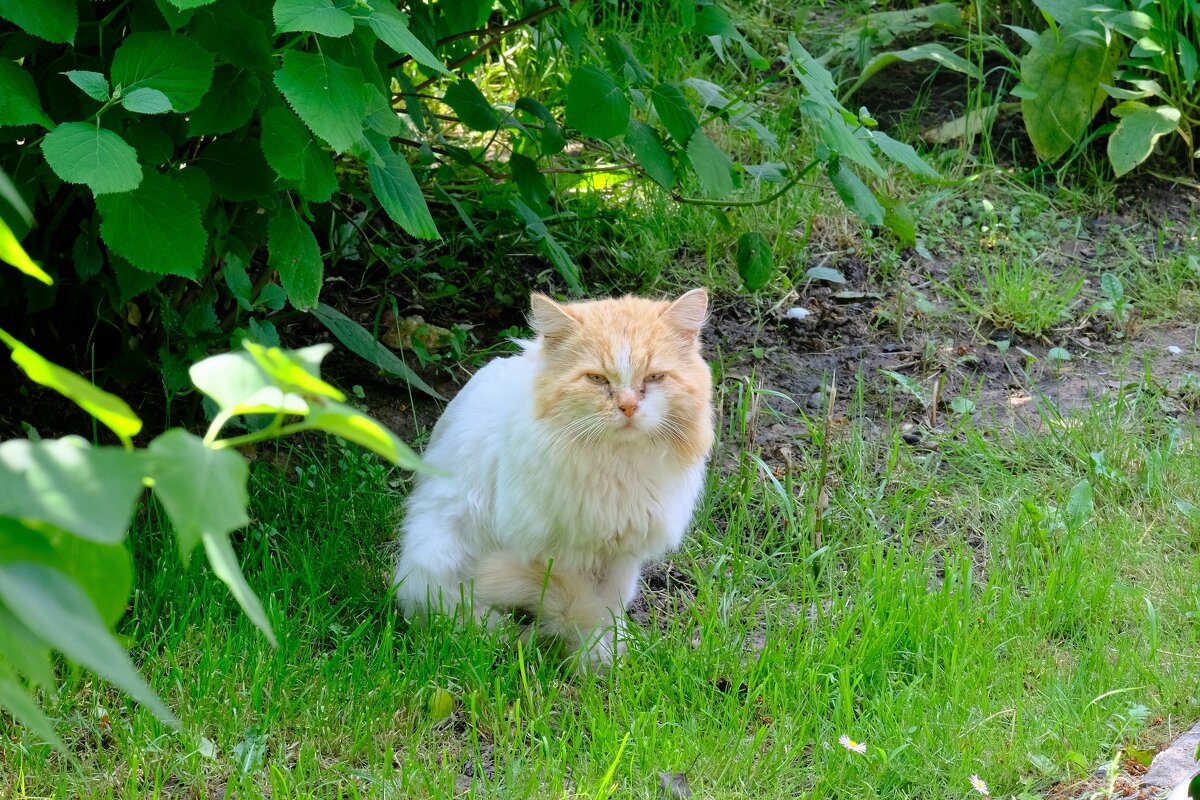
628 402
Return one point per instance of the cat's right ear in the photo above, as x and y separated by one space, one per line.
548 318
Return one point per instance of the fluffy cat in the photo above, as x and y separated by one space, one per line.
566 468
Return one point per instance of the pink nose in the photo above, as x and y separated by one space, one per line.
628 403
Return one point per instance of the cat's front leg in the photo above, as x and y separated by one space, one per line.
617 588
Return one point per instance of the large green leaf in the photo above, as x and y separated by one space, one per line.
364 345
930 51
109 409
89 491
103 571
391 26
60 612
228 105
83 152
354 426
531 183
902 153
713 167
647 148
331 98
401 197
674 112
293 250
225 565
317 16
296 156
28 654
1062 77
202 489
156 226
174 65
237 168
235 36
52 20
471 107
239 385
854 193
1140 127
297 371
19 101
596 105
753 258
551 135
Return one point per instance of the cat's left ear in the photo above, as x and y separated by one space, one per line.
689 311
548 318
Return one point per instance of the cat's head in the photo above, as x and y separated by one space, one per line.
625 370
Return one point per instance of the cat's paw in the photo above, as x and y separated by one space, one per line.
598 650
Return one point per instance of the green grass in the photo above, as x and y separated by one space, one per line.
956 619
1021 296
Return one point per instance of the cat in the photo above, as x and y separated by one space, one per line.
563 470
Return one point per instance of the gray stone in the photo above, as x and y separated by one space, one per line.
1175 764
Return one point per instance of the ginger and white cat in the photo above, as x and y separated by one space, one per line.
566 468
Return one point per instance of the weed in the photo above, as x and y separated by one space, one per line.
1022 297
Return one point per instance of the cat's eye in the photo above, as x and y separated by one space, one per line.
597 379
655 378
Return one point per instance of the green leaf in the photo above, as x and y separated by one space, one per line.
13 253
551 135
1064 75
623 60
237 168
909 385
89 491
174 65
318 16
930 51
225 565
1140 127
18 702
19 101
647 148
28 654
596 105
295 155
202 489
1079 504
962 405
854 193
899 219
400 195
293 250
83 152
109 409
131 281
536 228
93 84
103 571
52 20
156 226
53 605
239 385
146 101
470 106
332 99
391 26
753 259
185 5
297 371
674 112
354 426
531 183
364 345
228 105
237 37
713 167
902 154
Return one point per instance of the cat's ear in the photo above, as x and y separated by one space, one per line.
548 318
689 311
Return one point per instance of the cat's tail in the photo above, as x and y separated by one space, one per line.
567 604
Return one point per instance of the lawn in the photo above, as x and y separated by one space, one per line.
952 515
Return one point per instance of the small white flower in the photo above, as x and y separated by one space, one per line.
848 743
978 785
